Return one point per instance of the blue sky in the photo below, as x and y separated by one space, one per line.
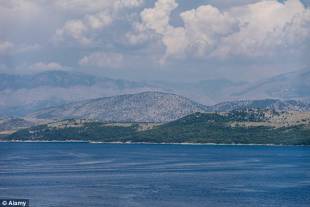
156 40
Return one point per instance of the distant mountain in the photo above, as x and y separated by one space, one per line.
140 107
287 86
49 78
272 104
154 107
61 79
294 85
22 94
216 87
208 91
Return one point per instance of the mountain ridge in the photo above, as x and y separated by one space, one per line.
25 94
154 106
291 85
139 107
273 104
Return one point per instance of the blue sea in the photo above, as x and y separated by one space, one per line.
151 175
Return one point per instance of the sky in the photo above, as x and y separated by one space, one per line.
170 40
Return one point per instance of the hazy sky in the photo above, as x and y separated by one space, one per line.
156 40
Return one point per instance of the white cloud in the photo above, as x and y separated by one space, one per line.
257 29
43 66
75 29
139 34
102 14
157 18
202 28
205 26
99 20
266 27
103 60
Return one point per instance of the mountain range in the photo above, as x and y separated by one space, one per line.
293 85
272 104
147 110
61 79
153 107
140 107
25 94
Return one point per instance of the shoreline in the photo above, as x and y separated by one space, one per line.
149 143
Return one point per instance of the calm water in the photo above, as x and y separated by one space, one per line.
85 175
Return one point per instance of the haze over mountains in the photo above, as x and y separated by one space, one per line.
294 85
141 107
153 107
24 94
61 79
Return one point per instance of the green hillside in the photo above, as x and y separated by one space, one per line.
237 127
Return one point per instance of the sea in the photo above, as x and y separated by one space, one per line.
75 174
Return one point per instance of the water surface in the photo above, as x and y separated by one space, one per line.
134 175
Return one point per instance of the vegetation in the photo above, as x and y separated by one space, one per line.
250 127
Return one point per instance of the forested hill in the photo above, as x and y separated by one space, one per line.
236 127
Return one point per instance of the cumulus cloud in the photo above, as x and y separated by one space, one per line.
103 60
205 26
251 30
157 18
81 29
75 29
44 66
266 27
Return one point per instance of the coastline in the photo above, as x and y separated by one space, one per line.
149 143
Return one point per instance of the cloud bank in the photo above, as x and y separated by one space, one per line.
150 38
259 29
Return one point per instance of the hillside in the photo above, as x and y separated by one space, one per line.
293 85
154 107
14 123
272 104
239 127
23 94
143 107
10 125
236 127
140 107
